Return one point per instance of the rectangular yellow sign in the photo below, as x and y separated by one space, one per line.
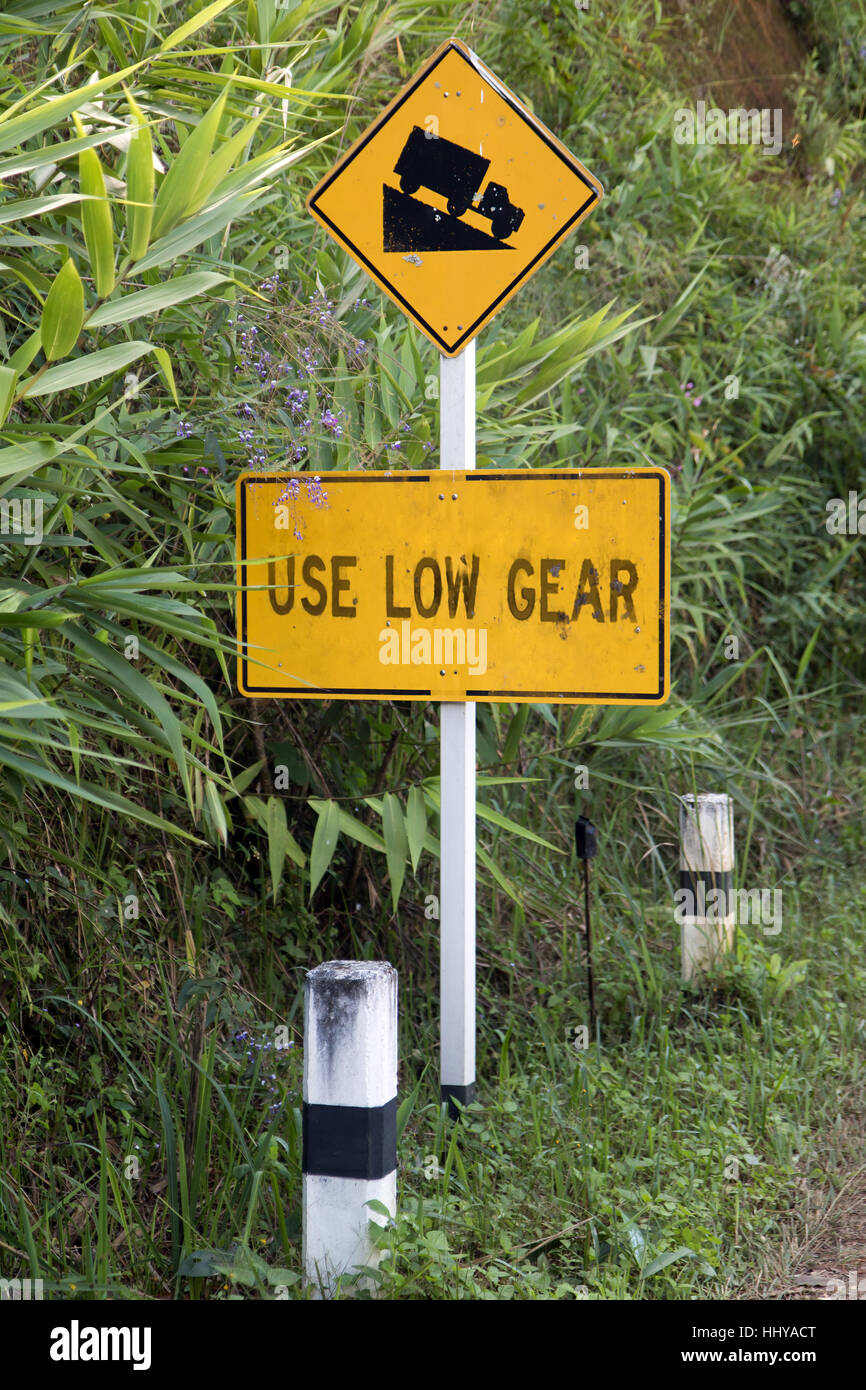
543 585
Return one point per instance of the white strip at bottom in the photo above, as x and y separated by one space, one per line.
335 1221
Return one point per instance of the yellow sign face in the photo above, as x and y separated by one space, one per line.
453 197
530 586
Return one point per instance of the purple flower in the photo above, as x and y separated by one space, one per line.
332 423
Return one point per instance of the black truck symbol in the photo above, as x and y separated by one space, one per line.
429 161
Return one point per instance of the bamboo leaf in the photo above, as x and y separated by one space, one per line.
217 810
24 270
176 243
281 841
256 171
124 676
36 207
152 301
198 21
121 806
96 222
277 833
394 828
26 161
26 458
496 873
162 357
355 829
139 185
220 165
416 824
516 731
243 779
496 818
8 379
16 131
63 312
325 839
23 356
573 347
84 369
179 187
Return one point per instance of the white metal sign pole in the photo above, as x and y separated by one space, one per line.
457 786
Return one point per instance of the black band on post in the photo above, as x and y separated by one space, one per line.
464 1094
350 1141
721 879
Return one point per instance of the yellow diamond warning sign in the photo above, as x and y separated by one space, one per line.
453 197
538 585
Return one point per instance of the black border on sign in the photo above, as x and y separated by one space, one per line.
451 349
484 475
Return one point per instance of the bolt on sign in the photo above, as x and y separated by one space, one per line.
454 164
446 585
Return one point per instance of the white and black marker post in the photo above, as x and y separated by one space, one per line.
349 1114
707 880
457 786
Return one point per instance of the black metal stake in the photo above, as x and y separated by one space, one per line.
589 979
586 845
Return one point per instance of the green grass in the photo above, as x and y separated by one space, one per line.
685 1135
155 892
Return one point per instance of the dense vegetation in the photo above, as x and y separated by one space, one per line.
166 878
